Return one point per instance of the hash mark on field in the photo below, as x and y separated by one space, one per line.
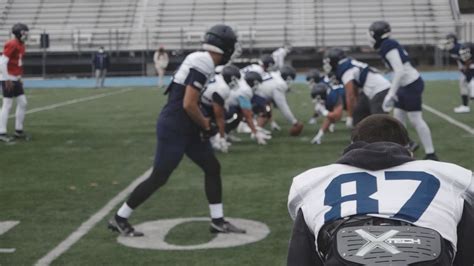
90 223
73 101
450 120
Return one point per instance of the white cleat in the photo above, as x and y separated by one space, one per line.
312 121
462 109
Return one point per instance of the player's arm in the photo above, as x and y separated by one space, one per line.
194 84
464 254
302 249
396 63
219 112
280 101
4 71
351 96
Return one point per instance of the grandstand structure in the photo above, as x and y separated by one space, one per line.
125 25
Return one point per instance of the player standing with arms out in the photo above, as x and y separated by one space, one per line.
183 129
463 55
407 86
11 70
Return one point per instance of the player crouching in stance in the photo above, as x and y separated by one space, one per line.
273 89
376 205
11 69
462 53
183 129
330 101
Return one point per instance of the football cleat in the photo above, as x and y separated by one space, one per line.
332 128
462 109
225 227
312 121
22 136
123 227
431 156
5 138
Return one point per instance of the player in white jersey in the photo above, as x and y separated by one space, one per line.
406 90
273 89
280 54
355 76
265 64
374 205
213 102
239 107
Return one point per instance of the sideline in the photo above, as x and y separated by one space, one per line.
450 120
78 100
90 223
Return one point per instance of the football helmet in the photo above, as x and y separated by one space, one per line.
465 52
267 62
253 79
320 91
313 76
221 39
378 31
231 75
448 42
20 31
288 73
331 59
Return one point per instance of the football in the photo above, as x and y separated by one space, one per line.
296 129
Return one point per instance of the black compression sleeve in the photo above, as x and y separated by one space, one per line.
302 250
217 99
465 246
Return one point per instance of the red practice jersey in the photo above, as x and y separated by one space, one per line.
14 50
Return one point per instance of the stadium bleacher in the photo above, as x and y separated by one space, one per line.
179 24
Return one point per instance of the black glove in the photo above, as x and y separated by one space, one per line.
208 133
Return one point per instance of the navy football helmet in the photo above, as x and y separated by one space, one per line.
230 73
221 39
449 41
320 91
314 76
267 62
20 31
288 73
331 59
253 79
378 31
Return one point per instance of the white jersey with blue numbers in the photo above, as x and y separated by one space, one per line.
270 82
216 85
243 90
373 83
201 62
425 193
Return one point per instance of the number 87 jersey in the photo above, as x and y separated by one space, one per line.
425 193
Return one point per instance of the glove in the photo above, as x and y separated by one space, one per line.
261 129
260 137
317 139
275 126
321 109
389 102
349 122
219 143
332 127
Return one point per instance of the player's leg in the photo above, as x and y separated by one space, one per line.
21 104
161 74
103 74
464 87
361 109
376 103
169 152
201 153
97 78
6 106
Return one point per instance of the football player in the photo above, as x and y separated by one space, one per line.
355 76
273 89
330 101
405 94
280 54
372 205
239 107
11 70
463 56
183 129
213 102
265 65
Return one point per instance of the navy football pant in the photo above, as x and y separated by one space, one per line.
169 152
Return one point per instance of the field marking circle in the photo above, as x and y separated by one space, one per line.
156 231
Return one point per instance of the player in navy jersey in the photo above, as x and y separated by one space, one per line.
329 99
183 129
405 94
375 204
462 53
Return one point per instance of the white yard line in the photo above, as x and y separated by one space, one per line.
450 120
78 100
90 223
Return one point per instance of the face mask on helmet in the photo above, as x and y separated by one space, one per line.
253 79
20 31
327 65
231 75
